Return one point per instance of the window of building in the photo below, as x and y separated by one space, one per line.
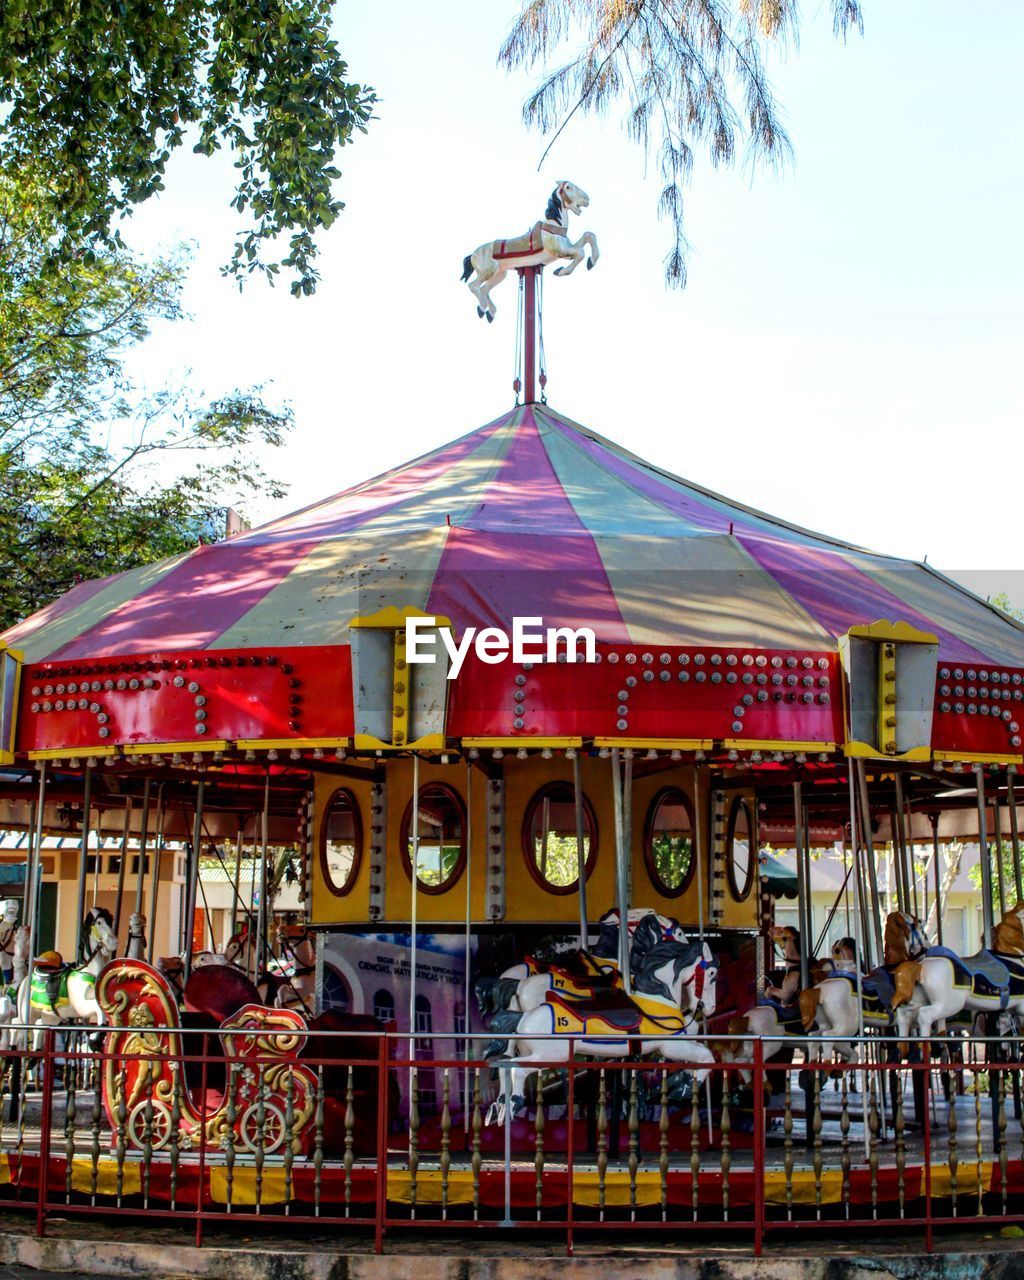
341 842
549 837
740 855
668 842
440 839
384 1006
424 1052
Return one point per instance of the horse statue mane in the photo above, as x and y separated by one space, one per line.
900 927
681 954
93 916
1008 935
554 210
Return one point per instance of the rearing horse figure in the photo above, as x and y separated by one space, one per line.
546 241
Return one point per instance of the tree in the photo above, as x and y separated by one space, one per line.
96 97
1004 871
689 73
1002 603
954 858
72 508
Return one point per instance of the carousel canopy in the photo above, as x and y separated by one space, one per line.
531 515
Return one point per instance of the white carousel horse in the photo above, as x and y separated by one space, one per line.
294 971
600 970
9 994
546 241
236 951
829 1009
136 936
55 993
673 989
777 1016
514 991
8 936
236 955
938 984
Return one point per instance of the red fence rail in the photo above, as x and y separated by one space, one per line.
365 1134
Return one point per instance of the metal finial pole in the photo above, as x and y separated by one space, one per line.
530 275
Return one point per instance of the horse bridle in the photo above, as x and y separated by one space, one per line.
917 943
697 979
90 954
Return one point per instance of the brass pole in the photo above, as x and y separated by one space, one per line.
32 873
620 872
84 853
984 858
869 847
1011 804
122 867
154 884
581 857
802 886
936 862
193 877
143 844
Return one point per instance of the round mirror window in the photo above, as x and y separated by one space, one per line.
668 842
341 842
549 837
739 854
441 838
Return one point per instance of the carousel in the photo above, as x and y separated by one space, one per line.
405 861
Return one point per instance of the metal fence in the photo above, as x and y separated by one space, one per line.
364 1131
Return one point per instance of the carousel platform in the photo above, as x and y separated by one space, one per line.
156 1252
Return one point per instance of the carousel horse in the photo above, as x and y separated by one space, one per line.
136 949
9 994
8 937
777 1015
234 953
937 984
601 969
546 241
234 956
293 973
829 1007
54 992
573 970
673 989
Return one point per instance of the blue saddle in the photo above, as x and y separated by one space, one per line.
876 990
878 985
985 973
1015 968
789 1015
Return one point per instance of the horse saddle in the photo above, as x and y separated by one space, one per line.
1015 968
531 242
985 973
789 1016
877 990
49 986
609 1013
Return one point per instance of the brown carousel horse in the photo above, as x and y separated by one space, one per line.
936 984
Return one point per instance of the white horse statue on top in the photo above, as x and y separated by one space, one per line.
547 241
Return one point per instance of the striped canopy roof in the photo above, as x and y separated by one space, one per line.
531 515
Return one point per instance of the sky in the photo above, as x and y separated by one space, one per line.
847 353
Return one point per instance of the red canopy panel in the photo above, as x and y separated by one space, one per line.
188 696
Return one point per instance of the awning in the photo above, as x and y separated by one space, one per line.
777 878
